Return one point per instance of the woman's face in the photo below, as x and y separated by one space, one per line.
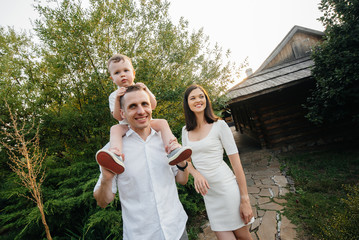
197 101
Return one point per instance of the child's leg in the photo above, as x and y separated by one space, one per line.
177 155
161 125
112 159
116 134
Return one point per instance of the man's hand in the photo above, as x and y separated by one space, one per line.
116 151
107 175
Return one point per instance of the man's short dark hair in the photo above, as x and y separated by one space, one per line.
132 88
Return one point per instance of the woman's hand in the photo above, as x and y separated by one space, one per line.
245 209
200 184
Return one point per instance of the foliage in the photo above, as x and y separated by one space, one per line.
26 160
336 95
61 81
194 206
344 224
319 179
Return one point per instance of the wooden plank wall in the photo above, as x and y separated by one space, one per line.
300 42
283 123
276 119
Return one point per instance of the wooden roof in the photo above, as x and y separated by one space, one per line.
295 30
271 79
289 62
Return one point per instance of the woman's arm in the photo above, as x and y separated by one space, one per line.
181 176
245 208
200 183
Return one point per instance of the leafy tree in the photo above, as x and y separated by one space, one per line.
19 73
65 86
336 95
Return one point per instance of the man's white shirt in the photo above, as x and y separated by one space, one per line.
151 208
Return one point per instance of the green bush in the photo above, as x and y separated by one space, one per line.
344 223
321 206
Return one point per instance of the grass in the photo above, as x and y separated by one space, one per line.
323 181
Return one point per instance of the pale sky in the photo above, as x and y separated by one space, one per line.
251 28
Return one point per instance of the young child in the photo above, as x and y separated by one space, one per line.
122 74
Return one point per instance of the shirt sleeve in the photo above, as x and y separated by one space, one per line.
227 138
113 187
114 180
174 170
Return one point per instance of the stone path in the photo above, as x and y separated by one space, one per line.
266 186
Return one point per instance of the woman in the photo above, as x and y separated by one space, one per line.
225 194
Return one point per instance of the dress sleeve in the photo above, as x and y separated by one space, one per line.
227 138
184 136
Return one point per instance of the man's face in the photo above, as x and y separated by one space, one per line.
122 73
137 109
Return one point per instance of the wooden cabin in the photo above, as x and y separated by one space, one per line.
267 105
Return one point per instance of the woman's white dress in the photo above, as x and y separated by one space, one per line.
223 198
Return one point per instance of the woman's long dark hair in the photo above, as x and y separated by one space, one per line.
209 116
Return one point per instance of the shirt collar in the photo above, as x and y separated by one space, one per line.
131 132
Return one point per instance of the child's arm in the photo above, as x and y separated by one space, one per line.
152 97
117 109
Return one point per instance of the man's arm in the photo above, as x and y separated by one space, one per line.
182 176
104 194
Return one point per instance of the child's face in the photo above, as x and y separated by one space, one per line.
122 73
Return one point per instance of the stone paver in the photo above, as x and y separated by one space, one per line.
271 206
265 192
253 189
281 181
263 200
256 224
280 200
287 229
266 186
268 228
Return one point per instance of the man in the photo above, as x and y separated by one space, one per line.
151 208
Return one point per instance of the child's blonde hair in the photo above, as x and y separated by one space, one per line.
118 58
